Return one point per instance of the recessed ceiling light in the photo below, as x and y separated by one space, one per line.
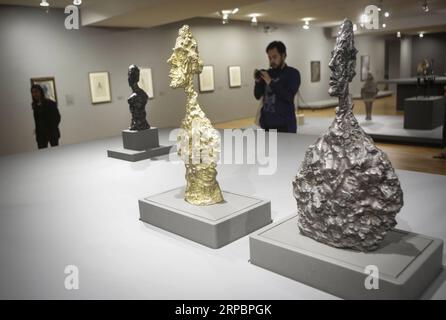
226 13
77 2
398 34
254 21
387 14
425 6
384 25
421 35
44 3
306 25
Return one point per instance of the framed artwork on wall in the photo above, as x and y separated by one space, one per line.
235 77
206 79
99 87
48 85
315 71
146 81
365 67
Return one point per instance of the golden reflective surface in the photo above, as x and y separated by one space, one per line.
198 141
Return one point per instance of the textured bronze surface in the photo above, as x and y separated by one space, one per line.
137 101
346 189
198 141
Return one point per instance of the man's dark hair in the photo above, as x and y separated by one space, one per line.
38 87
279 45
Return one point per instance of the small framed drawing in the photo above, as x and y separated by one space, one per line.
48 85
315 71
365 67
235 77
206 79
146 82
99 87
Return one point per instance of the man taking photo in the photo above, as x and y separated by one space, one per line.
278 87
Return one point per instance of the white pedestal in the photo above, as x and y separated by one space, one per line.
139 145
407 262
213 226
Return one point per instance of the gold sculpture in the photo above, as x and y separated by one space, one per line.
198 141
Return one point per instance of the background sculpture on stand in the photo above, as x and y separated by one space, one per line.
199 142
137 101
346 189
425 76
140 141
369 91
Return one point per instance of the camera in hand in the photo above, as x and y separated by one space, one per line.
258 74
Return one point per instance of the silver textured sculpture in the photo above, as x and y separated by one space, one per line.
346 189
137 101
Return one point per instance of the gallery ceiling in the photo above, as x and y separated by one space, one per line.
404 14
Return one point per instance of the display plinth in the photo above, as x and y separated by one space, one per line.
407 262
215 225
140 140
139 145
424 113
134 155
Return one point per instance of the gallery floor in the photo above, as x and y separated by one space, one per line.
403 156
72 205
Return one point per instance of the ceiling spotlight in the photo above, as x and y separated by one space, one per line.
77 2
44 3
425 6
225 15
254 20
225 19
398 34
387 14
421 35
307 20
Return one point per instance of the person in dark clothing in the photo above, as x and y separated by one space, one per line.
46 118
278 87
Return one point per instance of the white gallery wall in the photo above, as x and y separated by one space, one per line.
36 44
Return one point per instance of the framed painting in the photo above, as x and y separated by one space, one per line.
315 71
365 67
146 81
235 77
206 79
99 87
48 85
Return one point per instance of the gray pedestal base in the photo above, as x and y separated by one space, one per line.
407 262
213 226
135 155
424 113
140 140
139 145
